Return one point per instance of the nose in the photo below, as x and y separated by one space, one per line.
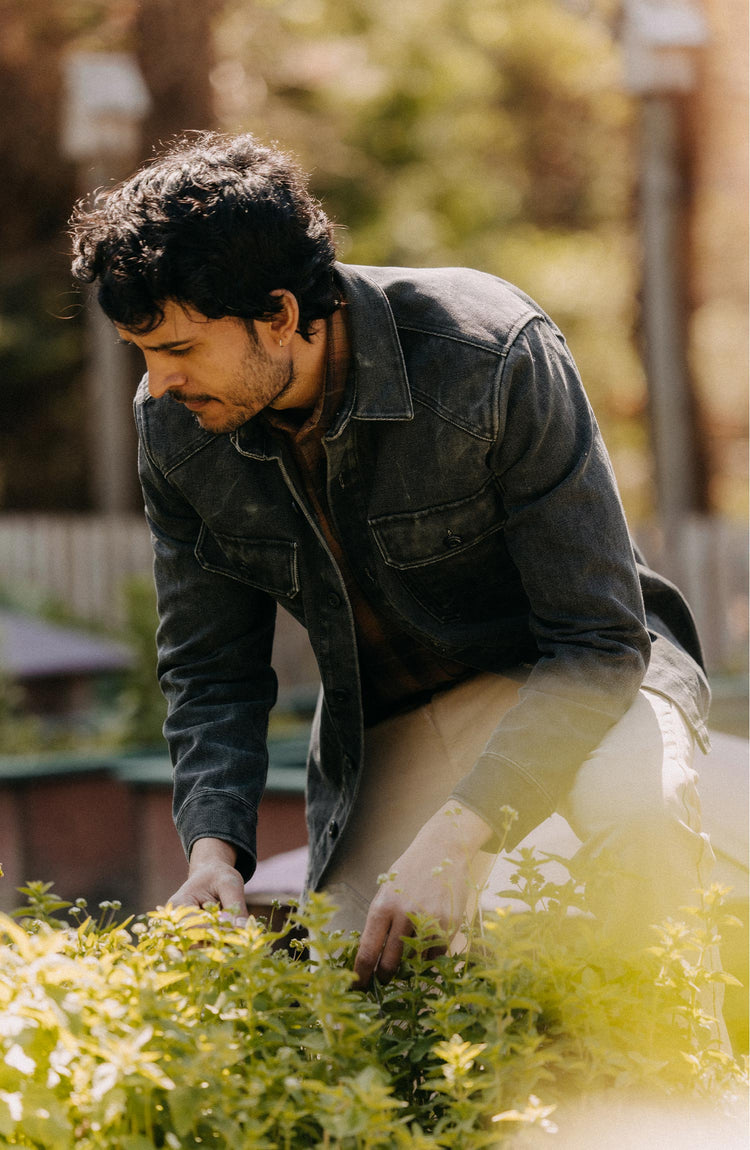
164 380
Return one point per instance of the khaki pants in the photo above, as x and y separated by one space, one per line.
635 797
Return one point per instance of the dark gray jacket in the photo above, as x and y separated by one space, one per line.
472 492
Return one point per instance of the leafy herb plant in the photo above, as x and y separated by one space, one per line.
184 1029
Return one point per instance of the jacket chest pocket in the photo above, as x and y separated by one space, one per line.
269 565
450 556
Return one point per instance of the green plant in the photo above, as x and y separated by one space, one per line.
142 706
186 1029
19 732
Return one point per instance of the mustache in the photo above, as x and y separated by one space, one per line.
184 397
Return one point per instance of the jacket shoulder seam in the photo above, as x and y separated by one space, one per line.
490 345
448 415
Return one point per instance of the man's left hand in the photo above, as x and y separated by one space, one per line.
431 878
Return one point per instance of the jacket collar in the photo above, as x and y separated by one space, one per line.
380 385
381 388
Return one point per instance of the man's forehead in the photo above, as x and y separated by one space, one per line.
180 322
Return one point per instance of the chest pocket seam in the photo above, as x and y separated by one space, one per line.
214 558
418 538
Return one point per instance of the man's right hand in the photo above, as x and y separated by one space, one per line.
212 877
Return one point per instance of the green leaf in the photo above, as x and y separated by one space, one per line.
184 1105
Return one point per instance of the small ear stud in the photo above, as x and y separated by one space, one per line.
281 343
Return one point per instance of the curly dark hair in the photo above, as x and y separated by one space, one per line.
215 222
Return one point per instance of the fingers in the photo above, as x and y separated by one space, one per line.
184 896
216 883
230 892
381 946
393 951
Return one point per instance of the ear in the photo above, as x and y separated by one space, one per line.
280 329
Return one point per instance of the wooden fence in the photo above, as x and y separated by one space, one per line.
79 561
82 560
707 557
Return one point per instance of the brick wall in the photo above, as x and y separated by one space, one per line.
99 834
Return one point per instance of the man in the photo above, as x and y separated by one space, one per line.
406 461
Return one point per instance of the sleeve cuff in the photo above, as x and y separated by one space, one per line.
219 815
494 784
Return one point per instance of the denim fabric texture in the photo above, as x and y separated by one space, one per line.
471 490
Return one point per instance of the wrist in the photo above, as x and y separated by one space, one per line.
463 827
210 850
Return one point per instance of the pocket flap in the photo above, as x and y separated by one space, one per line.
414 538
268 564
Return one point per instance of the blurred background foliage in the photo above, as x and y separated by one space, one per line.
488 133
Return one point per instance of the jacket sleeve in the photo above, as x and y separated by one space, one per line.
566 533
214 649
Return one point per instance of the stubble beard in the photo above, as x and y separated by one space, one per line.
258 384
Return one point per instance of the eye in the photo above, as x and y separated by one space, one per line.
178 351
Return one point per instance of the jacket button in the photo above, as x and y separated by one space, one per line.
333 829
334 600
340 694
452 540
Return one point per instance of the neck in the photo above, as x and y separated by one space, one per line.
309 361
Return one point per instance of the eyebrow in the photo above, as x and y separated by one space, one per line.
168 345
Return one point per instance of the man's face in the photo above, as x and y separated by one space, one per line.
215 367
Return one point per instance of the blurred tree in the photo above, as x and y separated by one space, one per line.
43 456
491 133
483 132
174 47
36 184
39 356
